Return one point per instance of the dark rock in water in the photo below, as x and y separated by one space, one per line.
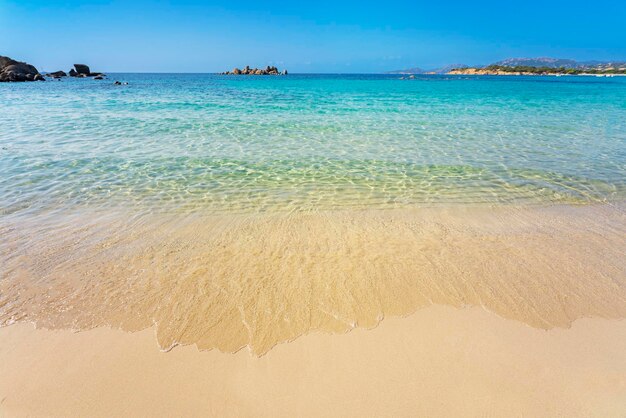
39 77
98 77
269 70
11 70
82 69
118 83
58 74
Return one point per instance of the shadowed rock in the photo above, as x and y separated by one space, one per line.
11 70
58 74
82 69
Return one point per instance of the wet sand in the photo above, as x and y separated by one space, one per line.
235 281
487 312
440 361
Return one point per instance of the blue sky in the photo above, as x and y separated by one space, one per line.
314 36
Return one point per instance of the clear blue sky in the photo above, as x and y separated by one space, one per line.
311 36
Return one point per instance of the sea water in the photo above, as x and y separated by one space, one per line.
231 211
212 143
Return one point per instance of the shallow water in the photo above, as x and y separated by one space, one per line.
247 211
231 281
250 144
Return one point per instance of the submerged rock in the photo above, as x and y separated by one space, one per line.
11 70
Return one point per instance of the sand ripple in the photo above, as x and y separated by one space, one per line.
233 281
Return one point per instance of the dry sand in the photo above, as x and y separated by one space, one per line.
440 361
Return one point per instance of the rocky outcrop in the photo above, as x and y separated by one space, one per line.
57 74
11 70
82 70
269 70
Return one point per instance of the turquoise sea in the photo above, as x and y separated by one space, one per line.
198 142
232 212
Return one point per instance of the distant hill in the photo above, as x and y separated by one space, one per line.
417 70
541 62
601 65
414 70
558 63
446 69
537 62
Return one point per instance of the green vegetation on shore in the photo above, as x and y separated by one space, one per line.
558 70
531 70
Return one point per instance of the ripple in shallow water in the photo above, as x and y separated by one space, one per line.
185 184
218 144
232 281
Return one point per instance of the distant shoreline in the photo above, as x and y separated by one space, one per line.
533 74
537 71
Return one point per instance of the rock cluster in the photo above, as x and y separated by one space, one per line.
11 70
82 70
269 70
57 74
79 70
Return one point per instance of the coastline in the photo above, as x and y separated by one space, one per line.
232 281
313 245
511 73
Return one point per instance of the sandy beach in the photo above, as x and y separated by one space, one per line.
282 315
440 361
228 282
309 245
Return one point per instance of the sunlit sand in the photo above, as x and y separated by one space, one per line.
229 282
